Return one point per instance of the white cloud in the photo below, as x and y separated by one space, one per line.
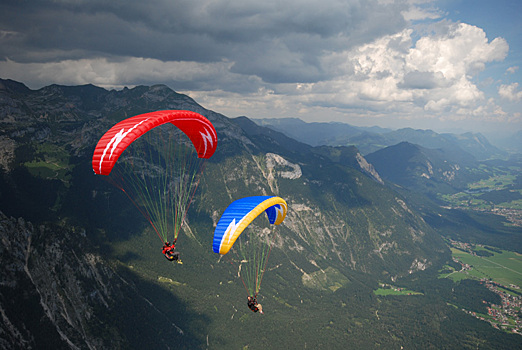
129 71
415 13
393 75
463 50
434 73
328 59
509 92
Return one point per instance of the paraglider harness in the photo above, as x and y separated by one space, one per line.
169 250
252 304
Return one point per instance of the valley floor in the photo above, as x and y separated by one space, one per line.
501 273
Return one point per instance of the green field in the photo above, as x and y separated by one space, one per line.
494 192
504 268
497 181
52 162
393 290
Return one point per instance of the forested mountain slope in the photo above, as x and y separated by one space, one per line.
99 262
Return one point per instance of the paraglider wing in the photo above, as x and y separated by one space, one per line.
156 159
240 214
112 144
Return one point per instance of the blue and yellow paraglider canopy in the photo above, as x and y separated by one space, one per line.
240 213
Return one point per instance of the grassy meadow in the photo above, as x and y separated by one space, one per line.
504 268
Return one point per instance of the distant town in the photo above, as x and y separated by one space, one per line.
512 215
506 316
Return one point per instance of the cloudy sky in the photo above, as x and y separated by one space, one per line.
443 65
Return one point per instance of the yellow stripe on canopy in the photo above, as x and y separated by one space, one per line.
233 231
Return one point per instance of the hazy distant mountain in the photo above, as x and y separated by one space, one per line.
514 142
369 140
89 272
473 144
423 169
315 134
349 156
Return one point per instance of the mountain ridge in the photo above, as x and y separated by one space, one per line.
239 138
369 140
344 232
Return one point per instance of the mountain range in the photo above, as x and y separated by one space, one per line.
83 269
369 140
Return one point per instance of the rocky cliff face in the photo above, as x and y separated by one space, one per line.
368 168
49 278
56 294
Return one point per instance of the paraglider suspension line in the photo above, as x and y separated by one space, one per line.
258 285
138 207
242 280
202 167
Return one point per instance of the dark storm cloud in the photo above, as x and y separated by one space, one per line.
63 30
278 41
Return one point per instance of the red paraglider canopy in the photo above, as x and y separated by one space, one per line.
115 141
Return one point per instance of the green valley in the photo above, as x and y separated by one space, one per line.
500 193
500 271
484 262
